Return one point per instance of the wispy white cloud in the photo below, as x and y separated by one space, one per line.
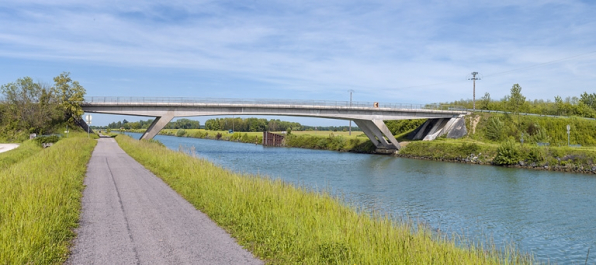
383 49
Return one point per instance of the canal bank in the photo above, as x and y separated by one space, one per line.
283 223
547 213
508 154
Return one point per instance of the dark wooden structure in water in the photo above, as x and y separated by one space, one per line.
272 139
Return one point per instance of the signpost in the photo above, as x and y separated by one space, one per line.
568 129
88 119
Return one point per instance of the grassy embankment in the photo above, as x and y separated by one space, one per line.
24 150
496 139
493 138
41 191
284 224
325 140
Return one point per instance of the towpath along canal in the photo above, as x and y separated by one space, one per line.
129 216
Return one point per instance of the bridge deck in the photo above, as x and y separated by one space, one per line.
368 115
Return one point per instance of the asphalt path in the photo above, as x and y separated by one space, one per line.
129 216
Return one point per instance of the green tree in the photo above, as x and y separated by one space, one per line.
589 100
485 101
559 105
516 100
28 106
494 129
70 95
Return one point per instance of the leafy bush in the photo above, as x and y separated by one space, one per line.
540 136
535 155
47 139
245 138
403 126
236 137
180 132
196 134
507 154
494 129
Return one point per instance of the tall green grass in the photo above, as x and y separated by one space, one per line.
284 224
40 203
20 153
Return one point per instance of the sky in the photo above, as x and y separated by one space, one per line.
385 51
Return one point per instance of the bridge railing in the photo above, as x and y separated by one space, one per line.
228 101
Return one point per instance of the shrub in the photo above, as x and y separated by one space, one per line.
534 155
47 139
180 132
469 148
494 129
507 154
236 137
245 138
540 136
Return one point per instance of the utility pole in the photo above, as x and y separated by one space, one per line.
474 78
350 133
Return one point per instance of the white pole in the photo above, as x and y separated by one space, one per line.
568 129
350 133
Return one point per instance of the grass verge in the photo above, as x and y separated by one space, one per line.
509 153
41 200
324 140
284 224
20 153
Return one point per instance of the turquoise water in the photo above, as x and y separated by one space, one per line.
550 214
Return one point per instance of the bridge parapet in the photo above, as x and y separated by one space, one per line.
368 115
188 101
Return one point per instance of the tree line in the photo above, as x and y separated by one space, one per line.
251 125
178 124
516 102
28 107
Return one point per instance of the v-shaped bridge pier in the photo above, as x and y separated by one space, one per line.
368 116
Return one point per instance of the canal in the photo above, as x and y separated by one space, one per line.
550 214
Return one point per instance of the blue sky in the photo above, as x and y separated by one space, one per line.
386 51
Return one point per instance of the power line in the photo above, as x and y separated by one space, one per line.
541 64
504 72
436 84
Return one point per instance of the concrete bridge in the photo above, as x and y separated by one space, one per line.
369 116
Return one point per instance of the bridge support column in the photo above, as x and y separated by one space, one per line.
157 125
376 130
